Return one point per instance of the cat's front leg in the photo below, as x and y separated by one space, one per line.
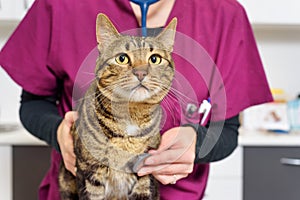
145 189
91 192
67 184
90 187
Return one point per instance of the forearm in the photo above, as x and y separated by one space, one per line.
40 117
217 140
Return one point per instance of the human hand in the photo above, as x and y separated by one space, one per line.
65 141
174 159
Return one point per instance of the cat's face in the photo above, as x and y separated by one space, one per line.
134 69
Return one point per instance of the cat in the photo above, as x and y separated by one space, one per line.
119 116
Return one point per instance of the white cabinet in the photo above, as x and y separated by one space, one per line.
226 178
11 10
6 172
264 12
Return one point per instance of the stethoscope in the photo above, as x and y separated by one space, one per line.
144 5
191 108
204 110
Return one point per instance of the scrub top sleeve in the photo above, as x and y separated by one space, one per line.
240 66
25 56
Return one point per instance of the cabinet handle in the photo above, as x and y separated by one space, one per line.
290 161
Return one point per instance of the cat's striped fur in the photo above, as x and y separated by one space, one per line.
119 117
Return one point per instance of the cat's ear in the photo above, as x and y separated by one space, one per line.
105 31
167 36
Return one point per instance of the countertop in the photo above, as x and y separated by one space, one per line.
266 138
15 134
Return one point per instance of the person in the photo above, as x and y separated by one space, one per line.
46 50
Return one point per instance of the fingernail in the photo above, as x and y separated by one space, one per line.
142 172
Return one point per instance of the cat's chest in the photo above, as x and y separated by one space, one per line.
134 145
132 129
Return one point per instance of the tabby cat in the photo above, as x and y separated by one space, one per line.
119 116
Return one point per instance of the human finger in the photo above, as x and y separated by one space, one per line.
65 141
167 169
176 138
70 118
168 139
169 179
183 155
69 162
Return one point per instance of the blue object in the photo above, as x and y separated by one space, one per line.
144 5
293 108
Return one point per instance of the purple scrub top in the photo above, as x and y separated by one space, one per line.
215 56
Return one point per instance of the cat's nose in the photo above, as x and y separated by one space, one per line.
140 73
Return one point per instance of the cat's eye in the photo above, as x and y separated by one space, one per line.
122 59
155 59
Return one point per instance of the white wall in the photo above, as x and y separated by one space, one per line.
280 51
9 91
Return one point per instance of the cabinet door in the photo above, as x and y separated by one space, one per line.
271 173
30 164
272 12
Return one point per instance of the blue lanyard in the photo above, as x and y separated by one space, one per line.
144 5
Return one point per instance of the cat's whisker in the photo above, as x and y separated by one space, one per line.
177 81
169 108
188 98
180 95
89 73
177 96
87 83
175 93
